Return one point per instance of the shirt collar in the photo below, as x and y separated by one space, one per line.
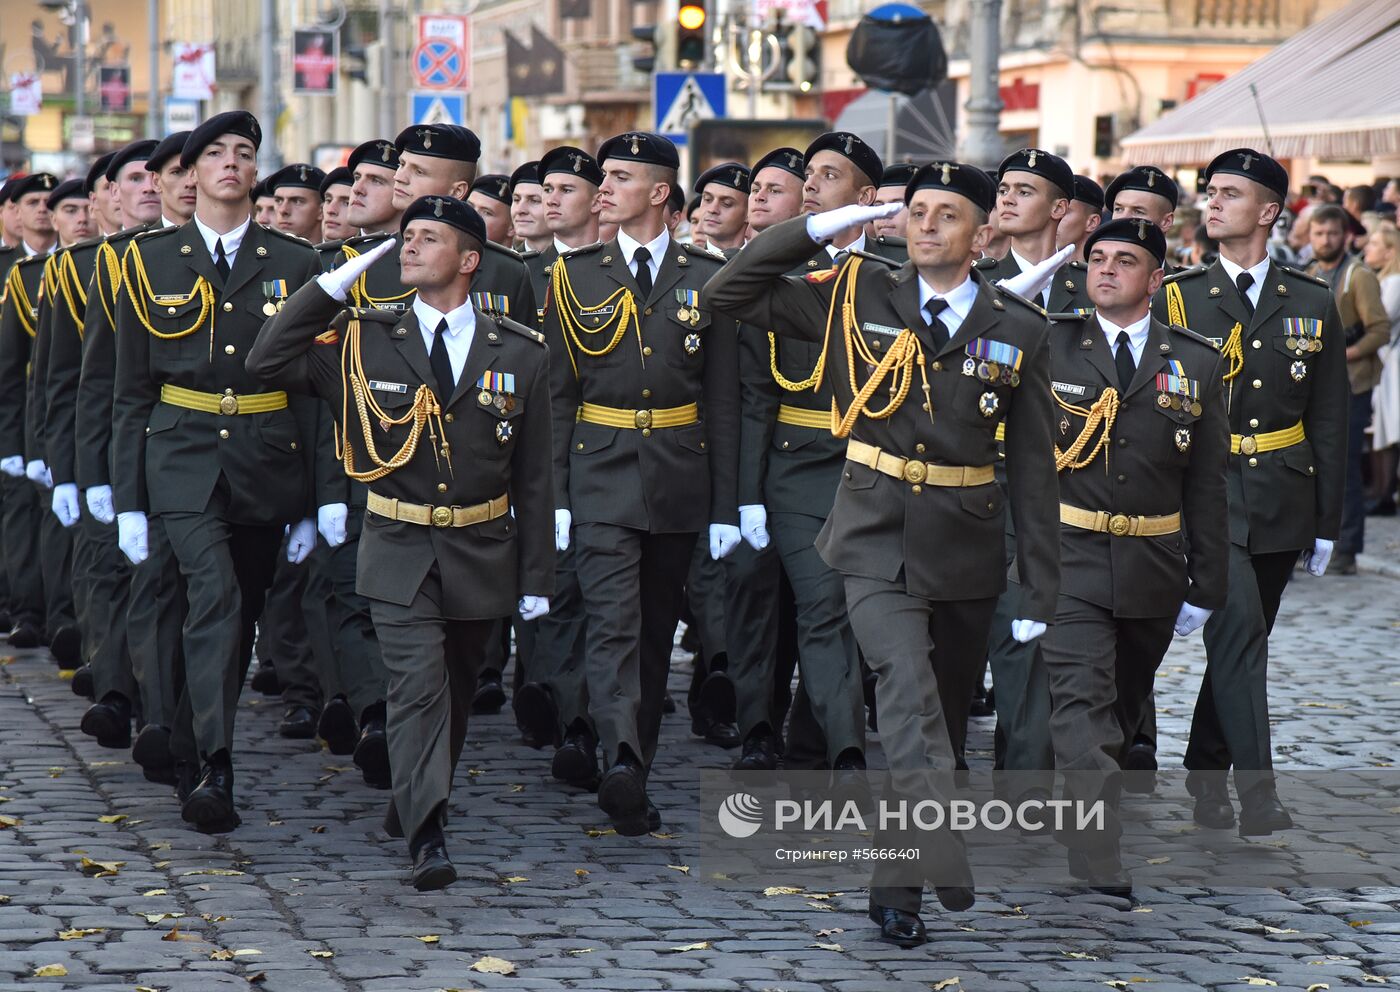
1259 270
231 240
1137 331
167 222
857 245
657 246
459 319
30 252
960 300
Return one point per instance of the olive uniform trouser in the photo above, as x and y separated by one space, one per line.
284 637
102 582
358 666
21 509
55 565
155 622
704 602
557 655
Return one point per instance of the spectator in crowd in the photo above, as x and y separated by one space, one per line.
1357 202
1390 197
1299 240
1383 257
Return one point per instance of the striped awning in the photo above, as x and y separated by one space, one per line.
1332 91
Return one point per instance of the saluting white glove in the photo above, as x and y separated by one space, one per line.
337 282
724 538
753 524
330 521
1315 561
563 520
99 503
65 504
1025 631
1190 619
38 472
301 538
533 607
131 535
1033 281
829 223
12 466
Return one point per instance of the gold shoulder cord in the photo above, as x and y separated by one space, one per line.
71 286
107 259
14 286
1105 412
570 309
786 383
1232 349
359 292
139 289
425 411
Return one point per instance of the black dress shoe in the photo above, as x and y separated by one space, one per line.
82 681
265 680
1213 809
537 715
983 705
372 752
717 699
25 635
576 760
956 898
622 794
109 721
717 733
1141 765
432 868
668 705
152 752
1105 875
1261 813
653 818
337 726
210 804
298 723
66 646
898 927
760 753
490 697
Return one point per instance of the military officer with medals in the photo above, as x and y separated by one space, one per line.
1286 395
1034 189
1141 444
459 526
917 526
639 471
490 197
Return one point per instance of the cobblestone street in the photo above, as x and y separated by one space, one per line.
103 887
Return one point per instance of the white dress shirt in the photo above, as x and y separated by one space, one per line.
1259 270
461 328
857 245
1026 265
1137 335
657 248
231 240
167 222
960 302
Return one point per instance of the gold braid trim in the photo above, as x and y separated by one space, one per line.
1104 411
107 259
14 287
71 286
425 411
1233 350
359 293
139 289
625 311
794 387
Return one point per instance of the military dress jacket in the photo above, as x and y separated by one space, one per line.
1293 371
1069 290
180 324
66 310
665 479
945 543
1166 453
19 325
538 264
495 429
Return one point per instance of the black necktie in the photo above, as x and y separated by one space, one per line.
1123 359
937 329
643 260
442 365
220 259
1242 282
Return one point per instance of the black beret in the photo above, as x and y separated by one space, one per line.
529 173
1088 191
788 159
849 146
339 176
137 151
675 200
380 152
69 189
238 122
298 175
1252 165
1147 178
97 171
259 190
446 210
573 161
898 174
170 147
494 185
965 180
35 182
451 141
1040 163
1133 230
640 146
730 174
691 205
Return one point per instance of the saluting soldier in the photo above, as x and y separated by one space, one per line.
1141 443
1034 189
460 488
939 357
195 438
640 468
1286 394
490 197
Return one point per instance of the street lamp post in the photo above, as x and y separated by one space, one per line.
982 144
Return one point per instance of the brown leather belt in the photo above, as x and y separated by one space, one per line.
438 516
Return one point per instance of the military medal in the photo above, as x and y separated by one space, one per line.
689 313
997 361
276 293
1064 424
1298 370
1176 402
683 314
1164 401
988 404
484 397
1176 392
692 344
969 366
505 430
1196 408
1182 438
1304 334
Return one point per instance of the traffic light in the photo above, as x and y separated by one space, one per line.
801 57
1103 136
692 44
660 55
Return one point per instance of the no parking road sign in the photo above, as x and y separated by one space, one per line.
442 59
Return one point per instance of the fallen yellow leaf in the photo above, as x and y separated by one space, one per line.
318 829
151 893
662 836
1269 929
601 833
10 821
145 988
581 872
1080 956
948 983
580 950
112 818
221 955
683 869
99 869
246 952
1359 923
515 879
1376 979
703 945
832 932
822 905
517 788
322 954
176 935
55 772
782 890
827 947
430 938
79 934
1158 861
50 971
210 871
493 966
1317 987
1256 980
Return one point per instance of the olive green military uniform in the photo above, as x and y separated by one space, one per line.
1286 372
8 256
1068 292
441 565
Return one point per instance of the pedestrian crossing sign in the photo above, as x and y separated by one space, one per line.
683 99
438 108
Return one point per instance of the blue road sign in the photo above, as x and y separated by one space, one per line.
684 98
438 108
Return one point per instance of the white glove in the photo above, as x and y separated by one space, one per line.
1025 631
563 520
65 504
533 607
13 466
753 524
301 538
724 538
1031 283
330 521
1315 561
99 503
337 282
829 223
38 472
1190 619
131 535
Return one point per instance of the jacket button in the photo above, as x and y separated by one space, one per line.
937 366
646 350
1122 478
647 311
785 444
991 506
646 394
920 449
224 434
1122 442
1258 343
1257 384
229 349
294 446
1254 463
1253 421
447 417
702 445
442 487
228 308
846 474
917 489
646 432
579 447
925 408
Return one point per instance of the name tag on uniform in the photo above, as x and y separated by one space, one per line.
885 329
391 307
1067 387
388 387
166 300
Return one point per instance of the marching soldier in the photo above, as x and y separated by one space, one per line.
103 196
490 197
264 204
173 182
1141 443
1034 189
924 360
1082 218
373 166
891 190
527 208
724 205
296 194
335 203
459 527
638 472
1286 396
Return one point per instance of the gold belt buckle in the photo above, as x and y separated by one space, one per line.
642 419
228 405
442 516
1248 445
915 472
1119 525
